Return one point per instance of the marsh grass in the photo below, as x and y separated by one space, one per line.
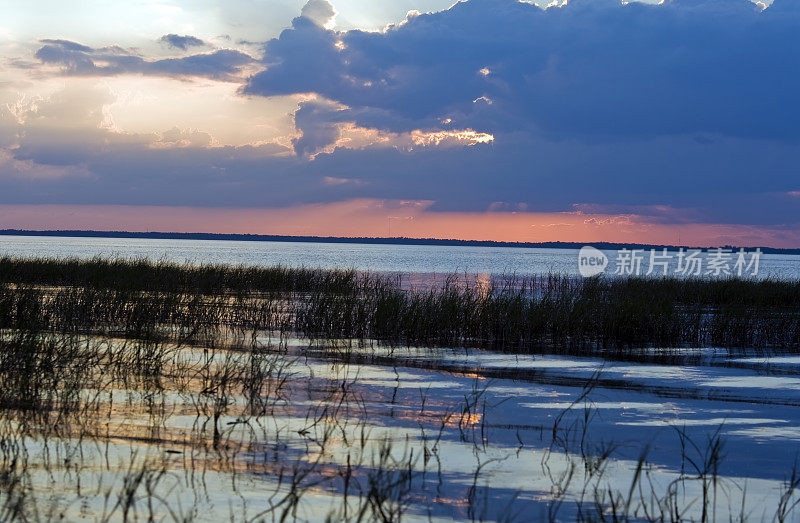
158 300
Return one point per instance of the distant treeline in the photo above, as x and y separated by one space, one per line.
357 239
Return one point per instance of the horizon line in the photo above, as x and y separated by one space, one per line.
366 240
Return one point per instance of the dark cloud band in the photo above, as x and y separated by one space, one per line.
592 68
80 60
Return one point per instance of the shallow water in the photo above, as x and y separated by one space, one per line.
479 434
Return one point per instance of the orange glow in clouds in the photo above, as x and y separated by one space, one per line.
378 218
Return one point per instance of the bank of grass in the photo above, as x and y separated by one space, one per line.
162 276
143 299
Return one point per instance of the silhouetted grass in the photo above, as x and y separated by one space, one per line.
162 276
144 300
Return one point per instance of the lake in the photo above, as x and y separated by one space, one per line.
163 405
414 259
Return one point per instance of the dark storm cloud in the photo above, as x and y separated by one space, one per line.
593 67
80 60
181 42
318 124
704 182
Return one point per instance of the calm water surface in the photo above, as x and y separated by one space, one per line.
420 259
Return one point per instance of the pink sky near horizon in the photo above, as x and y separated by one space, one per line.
375 218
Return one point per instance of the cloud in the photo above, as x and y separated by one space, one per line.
28 170
181 42
79 60
668 179
324 126
540 175
9 126
318 126
594 69
321 12
677 113
177 137
67 45
73 107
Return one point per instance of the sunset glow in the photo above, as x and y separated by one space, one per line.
251 123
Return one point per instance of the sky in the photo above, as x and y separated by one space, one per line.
675 122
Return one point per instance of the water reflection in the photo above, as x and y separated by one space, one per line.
441 443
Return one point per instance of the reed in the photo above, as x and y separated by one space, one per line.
145 300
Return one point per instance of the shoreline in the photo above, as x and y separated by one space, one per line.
368 240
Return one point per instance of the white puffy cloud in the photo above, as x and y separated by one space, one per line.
321 12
